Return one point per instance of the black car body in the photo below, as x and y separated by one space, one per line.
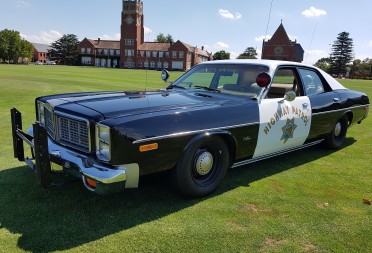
218 115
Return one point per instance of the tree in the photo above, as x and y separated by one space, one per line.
221 55
342 53
361 69
324 64
26 50
12 46
249 53
161 38
65 50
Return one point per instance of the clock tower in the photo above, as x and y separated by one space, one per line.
132 32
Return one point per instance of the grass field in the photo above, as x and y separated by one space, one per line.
306 201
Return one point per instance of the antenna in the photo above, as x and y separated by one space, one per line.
268 20
311 42
267 27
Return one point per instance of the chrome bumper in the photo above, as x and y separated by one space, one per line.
50 157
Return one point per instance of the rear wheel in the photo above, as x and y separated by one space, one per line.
335 139
202 167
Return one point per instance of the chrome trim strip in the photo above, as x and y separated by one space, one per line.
191 132
260 158
339 110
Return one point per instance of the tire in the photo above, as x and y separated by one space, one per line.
202 167
335 139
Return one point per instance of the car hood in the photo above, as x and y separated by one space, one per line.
119 104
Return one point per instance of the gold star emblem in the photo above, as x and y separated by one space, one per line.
288 130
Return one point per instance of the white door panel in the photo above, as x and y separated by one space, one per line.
283 124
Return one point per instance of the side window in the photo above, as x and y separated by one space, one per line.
284 80
312 83
228 79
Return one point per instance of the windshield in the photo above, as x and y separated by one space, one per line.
238 79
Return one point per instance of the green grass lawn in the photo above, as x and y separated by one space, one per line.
306 201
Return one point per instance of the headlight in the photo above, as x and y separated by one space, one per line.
103 142
40 113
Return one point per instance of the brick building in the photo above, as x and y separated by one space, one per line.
41 52
132 52
100 53
280 47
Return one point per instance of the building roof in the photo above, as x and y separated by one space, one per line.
105 44
155 46
41 48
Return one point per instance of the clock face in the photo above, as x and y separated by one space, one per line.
129 20
278 50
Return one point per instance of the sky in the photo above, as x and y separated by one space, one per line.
217 25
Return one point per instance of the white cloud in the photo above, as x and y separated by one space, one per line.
147 32
233 55
312 56
21 4
227 14
313 12
115 36
221 46
292 37
260 38
44 37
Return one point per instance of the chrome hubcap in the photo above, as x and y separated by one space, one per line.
204 163
338 129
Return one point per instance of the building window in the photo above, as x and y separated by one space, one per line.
139 64
83 50
166 65
154 54
118 52
146 64
106 51
159 65
152 65
112 51
166 54
89 50
148 54
142 53
161 54
174 54
181 54
129 52
129 42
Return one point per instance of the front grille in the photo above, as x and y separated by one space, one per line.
73 132
67 130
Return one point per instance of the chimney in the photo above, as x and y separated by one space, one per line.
99 40
202 48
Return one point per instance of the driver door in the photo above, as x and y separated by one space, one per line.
283 124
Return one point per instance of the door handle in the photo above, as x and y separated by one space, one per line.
336 99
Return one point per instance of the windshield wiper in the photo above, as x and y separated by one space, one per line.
206 88
174 86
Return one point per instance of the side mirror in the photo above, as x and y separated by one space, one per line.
263 79
165 75
290 95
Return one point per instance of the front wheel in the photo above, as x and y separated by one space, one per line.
202 167
335 139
